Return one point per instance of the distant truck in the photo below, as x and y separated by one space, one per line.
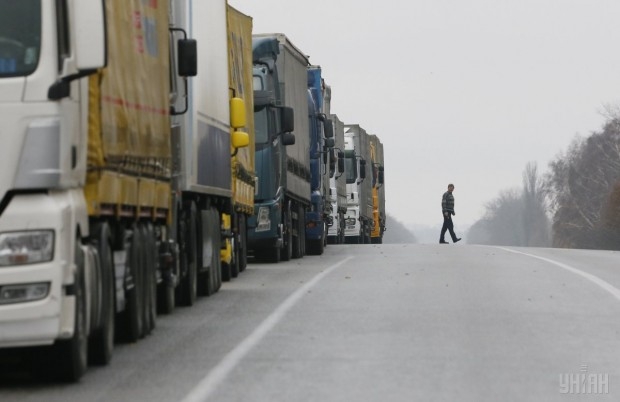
112 186
234 222
378 190
359 215
321 145
337 194
202 139
276 231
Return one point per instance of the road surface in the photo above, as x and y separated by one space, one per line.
379 323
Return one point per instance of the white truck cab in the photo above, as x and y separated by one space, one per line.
42 207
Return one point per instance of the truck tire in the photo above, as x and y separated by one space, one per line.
204 284
133 324
166 299
101 342
207 279
226 272
269 255
150 278
72 354
315 247
217 261
187 291
302 231
234 264
243 248
287 235
165 290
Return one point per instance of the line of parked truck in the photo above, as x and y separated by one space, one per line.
149 148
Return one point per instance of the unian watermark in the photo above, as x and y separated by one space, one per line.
584 382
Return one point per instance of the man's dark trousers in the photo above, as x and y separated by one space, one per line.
447 225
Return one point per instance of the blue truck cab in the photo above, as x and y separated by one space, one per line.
269 229
321 136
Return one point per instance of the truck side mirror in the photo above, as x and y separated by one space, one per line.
362 169
328 128
90 35
341 162
237 113
287 119
329 143
288 139
187 57
239 139
89 32
332 162
381 174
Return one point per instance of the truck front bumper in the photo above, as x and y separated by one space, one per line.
315 227
264 227
43 320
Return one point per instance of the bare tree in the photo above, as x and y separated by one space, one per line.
516 217
582 186
536 227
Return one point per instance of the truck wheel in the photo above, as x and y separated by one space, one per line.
243 249
287 235
204 285
72 354
187 290
298 247
150 279
217 261
315 247
302 231
133 323
226 272
165 289
207 279
165 298
234 264
271 255
101 343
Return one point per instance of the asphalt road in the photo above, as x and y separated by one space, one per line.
379 323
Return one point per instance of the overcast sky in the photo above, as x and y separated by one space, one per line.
462 91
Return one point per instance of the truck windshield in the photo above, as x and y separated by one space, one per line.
351 168
261 125
20 37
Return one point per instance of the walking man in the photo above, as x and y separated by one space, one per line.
447 208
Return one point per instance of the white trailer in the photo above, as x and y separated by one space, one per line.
359 187
337 185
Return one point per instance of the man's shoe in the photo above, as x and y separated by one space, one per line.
443 242
457 240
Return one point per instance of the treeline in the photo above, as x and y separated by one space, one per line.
517 217
576 204
397 232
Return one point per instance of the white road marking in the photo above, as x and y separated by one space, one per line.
207 386
615 292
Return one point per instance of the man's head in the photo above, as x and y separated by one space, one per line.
450 187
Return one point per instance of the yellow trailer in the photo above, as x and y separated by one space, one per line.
129 123
378 192
234 255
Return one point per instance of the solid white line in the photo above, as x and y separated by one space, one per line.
205 388
615 292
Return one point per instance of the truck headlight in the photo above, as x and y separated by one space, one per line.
18 248
263 222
